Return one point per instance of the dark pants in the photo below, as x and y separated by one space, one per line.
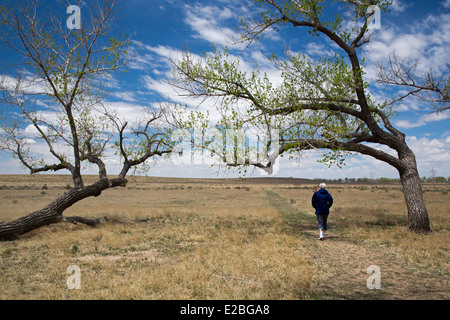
322 221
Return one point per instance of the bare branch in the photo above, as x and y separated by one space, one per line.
430 87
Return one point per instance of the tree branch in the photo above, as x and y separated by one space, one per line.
429 87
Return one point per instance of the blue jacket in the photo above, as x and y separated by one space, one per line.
322 201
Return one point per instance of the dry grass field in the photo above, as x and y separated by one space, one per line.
163 238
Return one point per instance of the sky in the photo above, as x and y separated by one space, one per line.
164 29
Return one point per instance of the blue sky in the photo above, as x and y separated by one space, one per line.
165 28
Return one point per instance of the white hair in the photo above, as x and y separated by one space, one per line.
322 186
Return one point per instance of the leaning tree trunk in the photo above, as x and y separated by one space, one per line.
53 212
418 220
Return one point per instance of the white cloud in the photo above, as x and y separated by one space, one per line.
423 120
27 84
431 153
164 90
165 51
318 49
125 111
32 131
127 96
141 62
422 41
398 6
447 140
431 117
406 124
207 22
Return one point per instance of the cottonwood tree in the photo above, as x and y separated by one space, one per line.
52 98
320 104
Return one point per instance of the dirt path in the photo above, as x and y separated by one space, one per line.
342 271
342 262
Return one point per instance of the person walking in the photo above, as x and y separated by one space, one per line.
322 202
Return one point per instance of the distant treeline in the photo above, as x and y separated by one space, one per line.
382 180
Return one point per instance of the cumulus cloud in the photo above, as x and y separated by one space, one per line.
398 6
208 23
423 120
318 49
431 153
421 41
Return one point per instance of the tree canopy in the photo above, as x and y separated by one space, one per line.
319 104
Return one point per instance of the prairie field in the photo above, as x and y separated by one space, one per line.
168 238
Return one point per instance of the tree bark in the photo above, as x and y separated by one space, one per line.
418 220
52 213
